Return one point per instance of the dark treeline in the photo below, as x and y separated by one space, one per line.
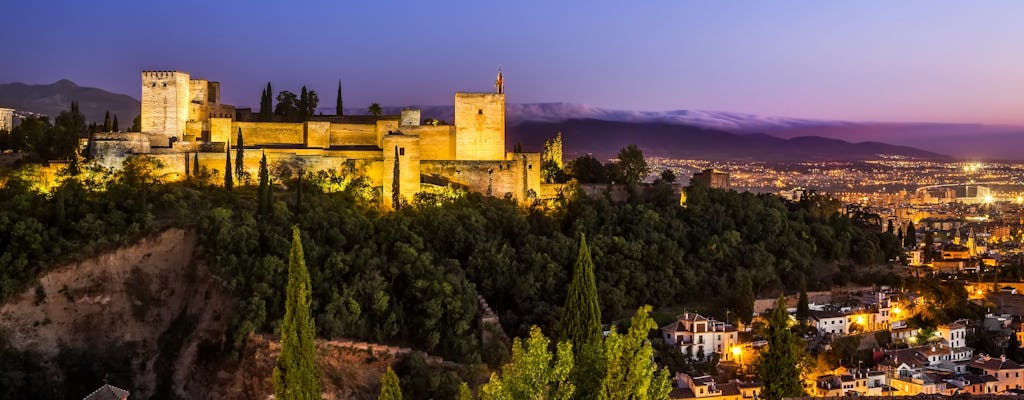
412 276
42 140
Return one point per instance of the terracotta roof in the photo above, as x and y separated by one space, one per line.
108 392
993 363
819 315
681 393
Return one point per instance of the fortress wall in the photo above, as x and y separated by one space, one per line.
500 177
383 127
174 164
480 126
353 135
195 128
436 142
530 168
165 102
318 134
220 130
260 133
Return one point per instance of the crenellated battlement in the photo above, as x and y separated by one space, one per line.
161 74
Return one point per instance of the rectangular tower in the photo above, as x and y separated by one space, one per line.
479 126
165 99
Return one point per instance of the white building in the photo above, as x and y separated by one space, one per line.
694 334
833 322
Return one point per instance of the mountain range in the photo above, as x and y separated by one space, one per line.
676 133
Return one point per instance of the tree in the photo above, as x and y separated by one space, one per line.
777 366
630 371
803 309
899 236
228 182
1013 350
581 324
287 106
267 104
668 176
396 185
137 124
632 166
581 315
187 162
389 389
264 192
312 101
195 163
295 373
114 126
890 229
375 110
533 373
339 106
464 392
929 245
587 169
239 157
743 301
106 122
910 238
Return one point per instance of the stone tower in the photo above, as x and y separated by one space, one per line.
479 126
165 99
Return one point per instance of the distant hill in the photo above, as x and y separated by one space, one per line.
604 138
51 99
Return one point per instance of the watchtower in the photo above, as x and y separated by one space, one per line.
165 98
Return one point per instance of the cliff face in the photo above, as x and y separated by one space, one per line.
137 316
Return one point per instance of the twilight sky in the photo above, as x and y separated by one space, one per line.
913 60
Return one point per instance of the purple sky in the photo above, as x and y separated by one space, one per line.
925 60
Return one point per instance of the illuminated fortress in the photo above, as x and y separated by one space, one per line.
182 115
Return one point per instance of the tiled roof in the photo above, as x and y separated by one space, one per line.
993 363
108 392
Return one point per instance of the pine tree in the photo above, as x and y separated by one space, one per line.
777 365
295 374
239 157
581 315
264 193
534 372
340 110
228 182
389 388
910 238
114 126
106 122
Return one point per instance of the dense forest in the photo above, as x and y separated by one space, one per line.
412 276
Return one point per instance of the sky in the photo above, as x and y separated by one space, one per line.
874 60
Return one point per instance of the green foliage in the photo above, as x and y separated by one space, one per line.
743 298
267 104
910 237
389 389
587 169
534 373
339 106
581 315
295 373
107 127
43 141
777 366
114 126
264 196
631 167
228 181
287 107
464 392
136 124
240 158
630 371
375 110
803 309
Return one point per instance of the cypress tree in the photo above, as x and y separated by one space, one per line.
106 122
778 364
195 163
910 238
744 300
295 374
303 105
581 315
264 193
396 186
899 235
114 126
239 157
389 388
890 228
340 110
228 182
803 308
267 104
298 194
186 165
1013 350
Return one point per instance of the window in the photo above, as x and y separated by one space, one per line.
480 112
401 151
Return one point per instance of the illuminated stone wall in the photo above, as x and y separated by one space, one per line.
436 142
6 119
407 149
479 126
165 102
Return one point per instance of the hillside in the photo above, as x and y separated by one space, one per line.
51 99
604 138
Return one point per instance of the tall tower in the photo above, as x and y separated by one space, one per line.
480 124
6 119
499 83
165 98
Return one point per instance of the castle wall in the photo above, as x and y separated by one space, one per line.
270 133
353 135
436 142
165 100
6 119
385 126
317 134
480 126
493 178
407 149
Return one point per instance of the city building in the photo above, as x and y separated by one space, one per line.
705 387
829 322
6 119
699 337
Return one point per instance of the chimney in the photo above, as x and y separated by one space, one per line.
1002 358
